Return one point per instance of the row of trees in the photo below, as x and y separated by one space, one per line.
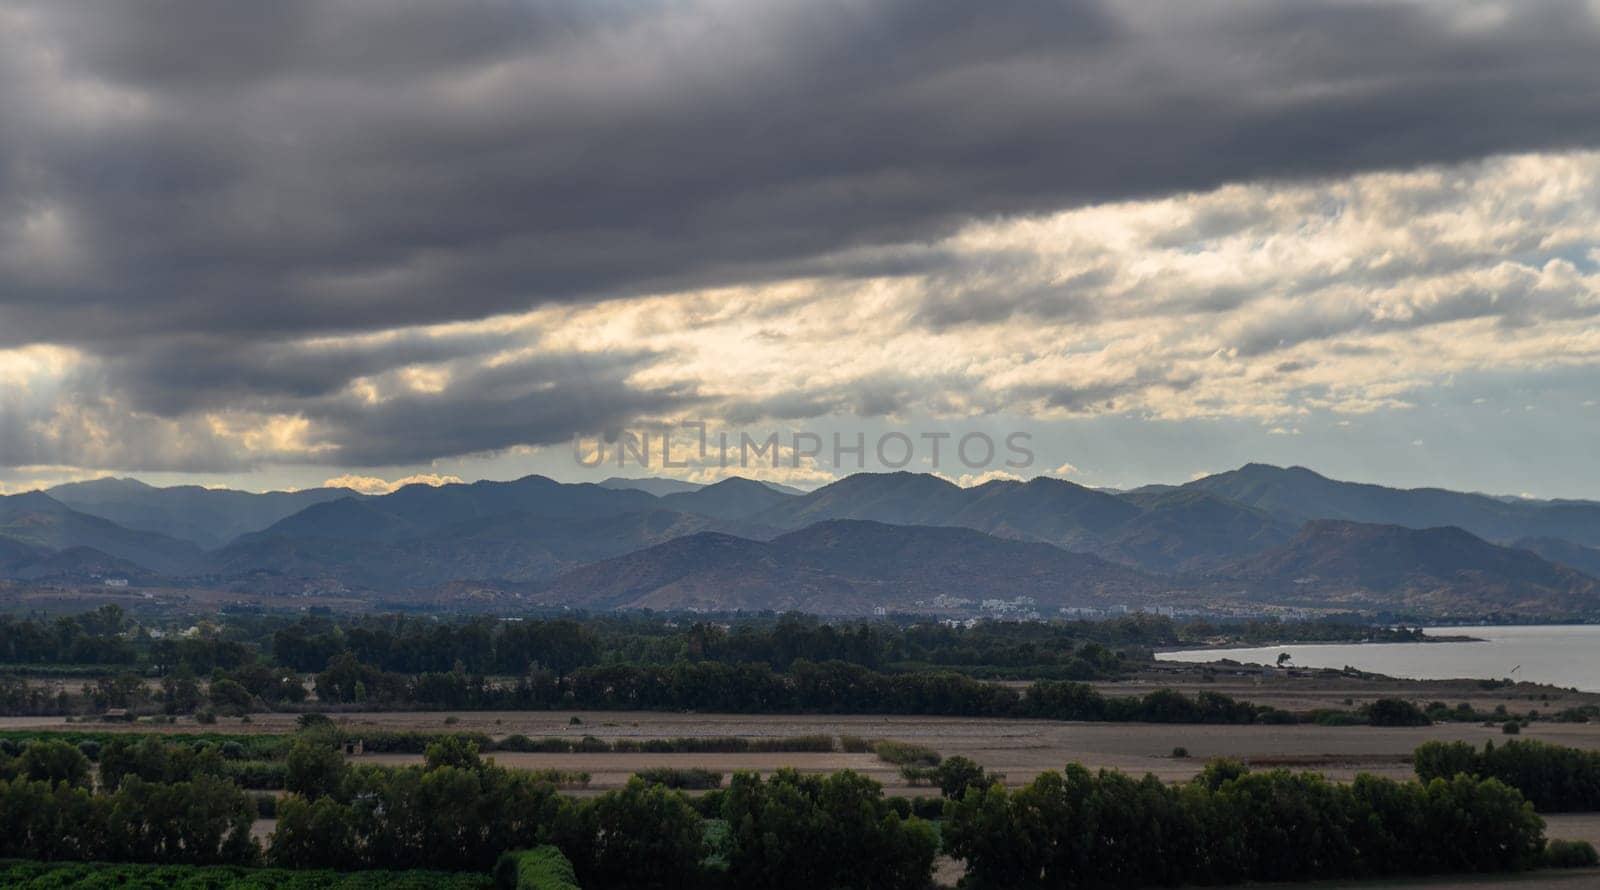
456 811
484 645
1081 829
201 822
161 802
832 687
1554 777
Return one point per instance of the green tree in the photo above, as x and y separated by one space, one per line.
57 763
453 751
640 837
795 831
180 692
314 770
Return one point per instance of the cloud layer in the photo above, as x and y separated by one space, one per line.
361 234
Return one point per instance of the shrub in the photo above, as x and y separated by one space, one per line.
1180 753
1570 854
905 753
691 778
1396 712
1511 727
542 868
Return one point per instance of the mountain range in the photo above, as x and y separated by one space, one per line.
890 540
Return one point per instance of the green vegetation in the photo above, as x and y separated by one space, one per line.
1396 712
543 868
1570 854
85 876
1230 826
459 812
905 753
792 664
688 778
1556 779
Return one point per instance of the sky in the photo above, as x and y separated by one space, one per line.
272 245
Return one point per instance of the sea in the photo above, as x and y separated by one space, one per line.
1561 655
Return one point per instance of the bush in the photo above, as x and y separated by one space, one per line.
691 778
1570 854
1511 727
542 868
1180 753
1338 718
905 753
1396 712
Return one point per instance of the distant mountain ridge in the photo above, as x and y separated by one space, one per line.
1297 494
1260 532
205 517
1146 531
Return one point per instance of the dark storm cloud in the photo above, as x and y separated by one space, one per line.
538 401
299 166
190 188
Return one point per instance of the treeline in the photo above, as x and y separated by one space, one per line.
510 646
1555 778
90 638
109 638
1227 826
458 812
828 688
157 754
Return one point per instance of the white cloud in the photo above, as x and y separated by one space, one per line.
376 485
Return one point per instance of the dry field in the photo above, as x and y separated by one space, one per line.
1019 748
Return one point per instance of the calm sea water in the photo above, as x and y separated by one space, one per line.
1567 655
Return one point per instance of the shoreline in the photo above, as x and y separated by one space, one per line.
1272 644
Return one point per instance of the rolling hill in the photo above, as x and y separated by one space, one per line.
847 567
41 523
1443 570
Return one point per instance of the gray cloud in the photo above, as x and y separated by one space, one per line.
189 190
294 167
